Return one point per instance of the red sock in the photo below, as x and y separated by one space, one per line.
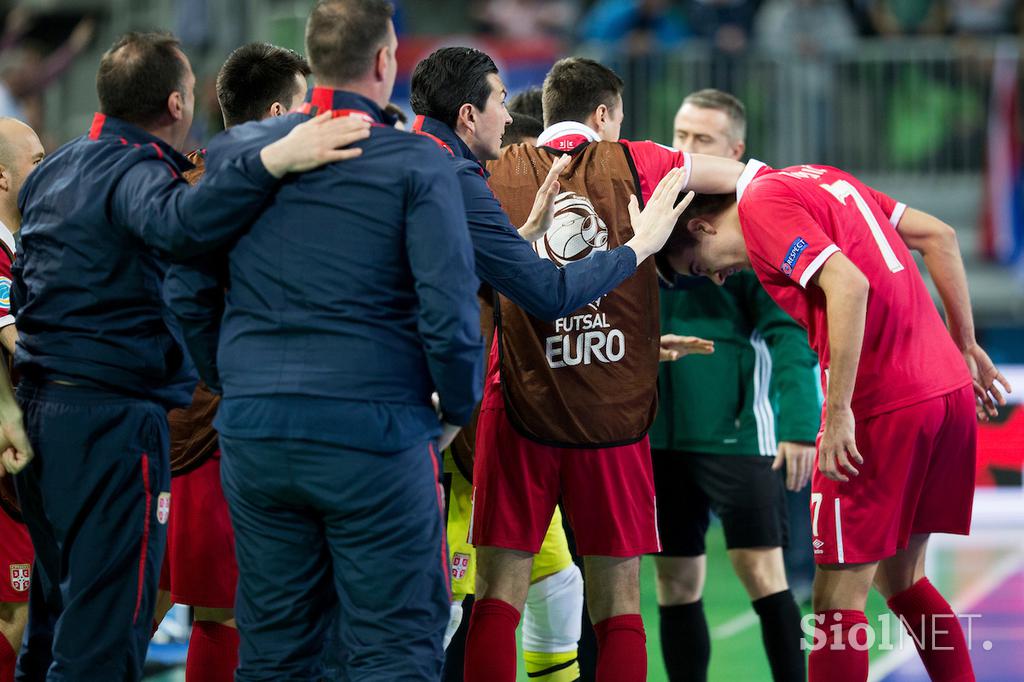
839 655
212 653
935 630
621 649
491 642
8 658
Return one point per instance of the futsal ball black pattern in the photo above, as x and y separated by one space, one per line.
576 231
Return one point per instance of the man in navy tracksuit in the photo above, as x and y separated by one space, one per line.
99 366
352 298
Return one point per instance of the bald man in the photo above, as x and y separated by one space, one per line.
20 153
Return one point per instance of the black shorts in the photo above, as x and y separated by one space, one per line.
742 490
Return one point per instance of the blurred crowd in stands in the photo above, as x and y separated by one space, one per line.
735 25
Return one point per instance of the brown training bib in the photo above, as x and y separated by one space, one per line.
588 379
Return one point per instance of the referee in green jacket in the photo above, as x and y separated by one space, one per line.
728 423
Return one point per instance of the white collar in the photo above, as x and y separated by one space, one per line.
7 237
753 168
567 128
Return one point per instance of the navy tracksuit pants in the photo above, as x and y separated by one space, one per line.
322 529
95 500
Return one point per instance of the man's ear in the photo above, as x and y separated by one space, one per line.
601 115
467 116
695 225
5 179
277 109
381 63
738 149
176 106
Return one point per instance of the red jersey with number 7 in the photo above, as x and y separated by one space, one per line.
794 219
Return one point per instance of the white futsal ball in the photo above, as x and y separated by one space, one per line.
576 231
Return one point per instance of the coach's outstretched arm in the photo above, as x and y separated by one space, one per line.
846 302
159 207
937 242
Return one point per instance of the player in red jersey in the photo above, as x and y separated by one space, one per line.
20 152
257 81
897 450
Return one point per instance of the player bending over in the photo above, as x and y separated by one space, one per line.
896 456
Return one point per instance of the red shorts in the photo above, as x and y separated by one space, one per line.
16 557
917 477
607 494
200 567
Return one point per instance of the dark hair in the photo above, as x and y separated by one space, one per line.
343 37
521 128
449 78
254 77
530 102
707 206
137 75
575 87
730 105
396 111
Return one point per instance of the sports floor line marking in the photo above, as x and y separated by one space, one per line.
735 625
978 591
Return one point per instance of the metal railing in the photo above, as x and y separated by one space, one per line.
903 106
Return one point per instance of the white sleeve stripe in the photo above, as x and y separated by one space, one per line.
753 166
817 263
688 167
6 321
897 214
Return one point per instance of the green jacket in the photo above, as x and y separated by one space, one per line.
759 387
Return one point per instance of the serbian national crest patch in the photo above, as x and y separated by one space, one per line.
460 564
163 507
21 577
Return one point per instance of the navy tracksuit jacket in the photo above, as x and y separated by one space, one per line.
508 262
352 298
99 369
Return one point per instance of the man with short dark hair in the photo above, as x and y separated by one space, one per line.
257 81
524 129
540 436
530 102
721 450
458 97
896 454
352 299
99 368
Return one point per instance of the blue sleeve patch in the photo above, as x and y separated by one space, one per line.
5 293
793 255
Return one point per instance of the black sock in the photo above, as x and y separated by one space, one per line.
685 642
780 630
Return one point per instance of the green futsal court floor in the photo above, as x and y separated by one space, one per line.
982 576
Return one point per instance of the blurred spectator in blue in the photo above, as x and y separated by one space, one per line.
519 19
635 26
728 24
